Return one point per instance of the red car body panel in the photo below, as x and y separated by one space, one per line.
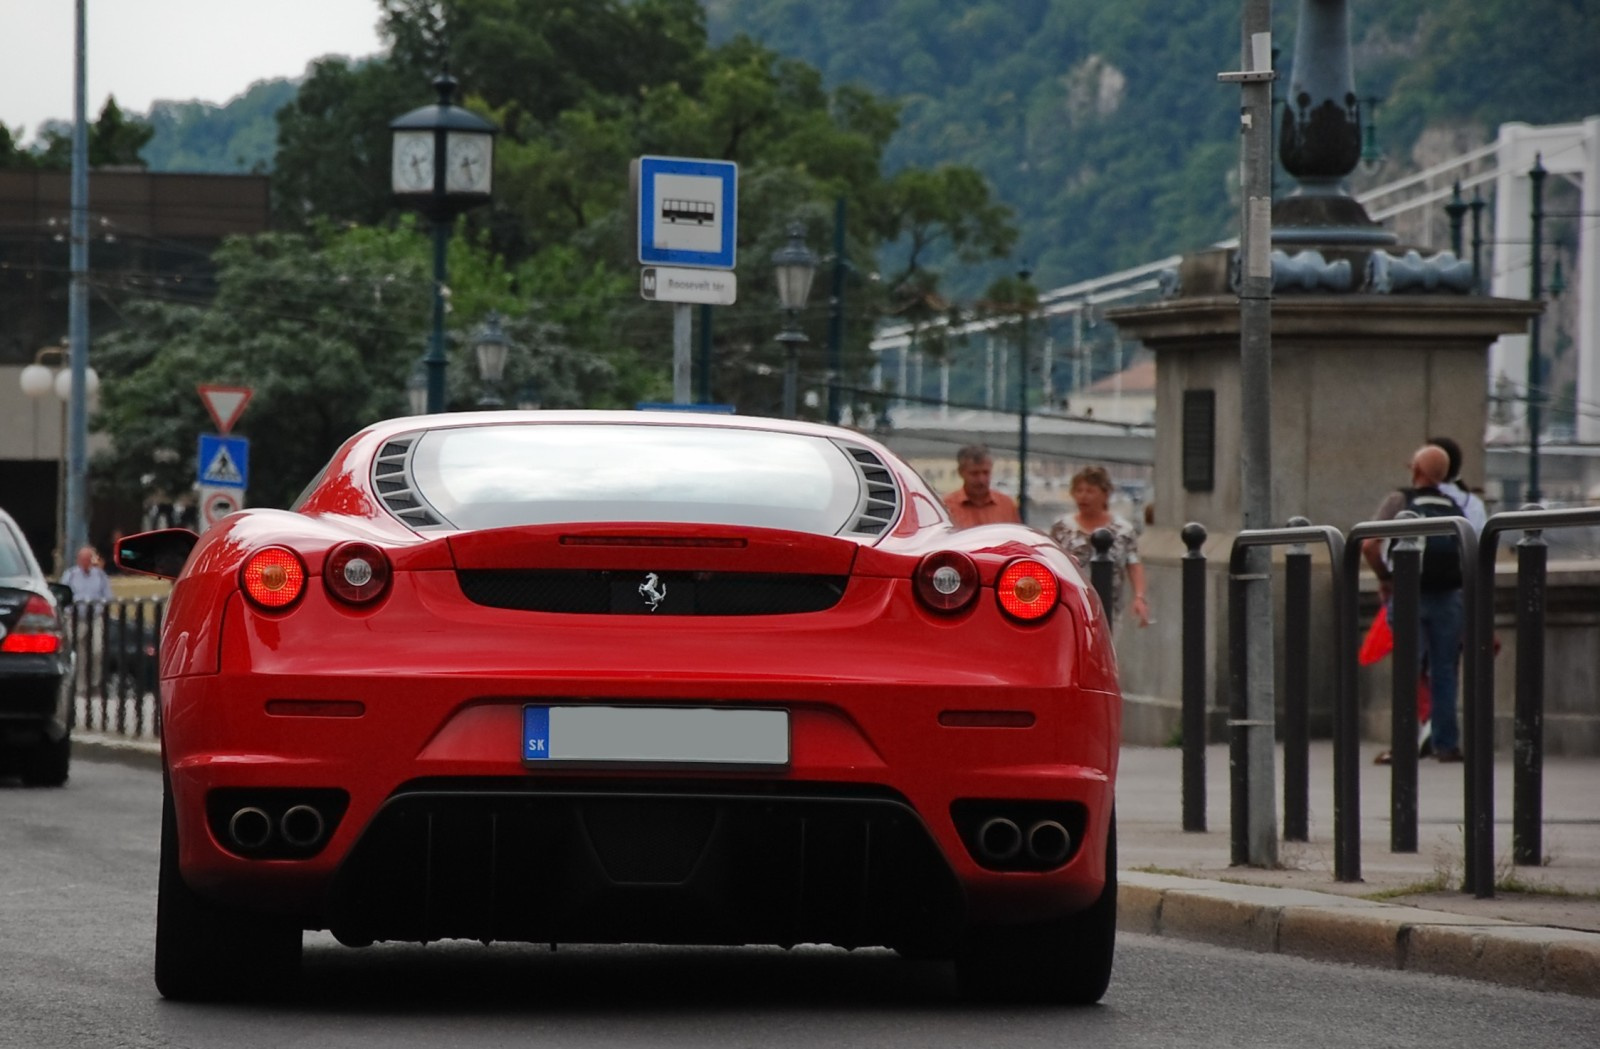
426 685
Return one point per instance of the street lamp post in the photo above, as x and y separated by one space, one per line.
417 386
794 265
492 347
443 164
37 380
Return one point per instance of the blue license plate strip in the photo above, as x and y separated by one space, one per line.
598 734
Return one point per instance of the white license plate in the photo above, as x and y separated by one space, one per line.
655 735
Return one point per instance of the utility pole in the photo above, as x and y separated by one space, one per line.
1535 294
78 311
1255 395
1025 292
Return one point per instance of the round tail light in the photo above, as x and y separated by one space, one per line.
1027 589
356 573
946 581
273 578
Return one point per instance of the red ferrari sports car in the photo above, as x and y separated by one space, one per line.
606 677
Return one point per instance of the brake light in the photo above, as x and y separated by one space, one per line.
38 631
273 578
1027 589
946 581
356 573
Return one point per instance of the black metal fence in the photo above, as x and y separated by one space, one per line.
118 665
1478 558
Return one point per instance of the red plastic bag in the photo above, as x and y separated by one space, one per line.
1379 641
1377 645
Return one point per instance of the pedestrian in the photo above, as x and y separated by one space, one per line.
1091 491
87 579
1471 505
1440 605
975 503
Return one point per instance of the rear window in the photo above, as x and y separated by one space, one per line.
497 476
15 559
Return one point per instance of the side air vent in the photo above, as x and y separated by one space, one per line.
391 476
880 495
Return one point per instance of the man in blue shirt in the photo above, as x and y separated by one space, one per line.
87 579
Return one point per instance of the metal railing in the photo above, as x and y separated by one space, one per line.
1245 794
117 665
1478 563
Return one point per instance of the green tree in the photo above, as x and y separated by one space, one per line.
114 139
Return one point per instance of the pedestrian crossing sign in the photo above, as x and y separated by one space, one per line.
224 461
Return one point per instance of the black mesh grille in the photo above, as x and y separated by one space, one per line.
644 593
679 866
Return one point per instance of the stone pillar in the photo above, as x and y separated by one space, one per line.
1359 381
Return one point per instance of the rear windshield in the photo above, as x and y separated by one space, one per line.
496 476
15 559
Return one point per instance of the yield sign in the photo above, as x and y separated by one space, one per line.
225 403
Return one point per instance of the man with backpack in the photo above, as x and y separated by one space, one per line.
1440 603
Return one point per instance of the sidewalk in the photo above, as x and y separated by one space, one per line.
1540 931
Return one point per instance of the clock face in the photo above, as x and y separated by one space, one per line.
468 164
413 162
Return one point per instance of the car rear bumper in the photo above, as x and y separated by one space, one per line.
880 792
35 702
432 785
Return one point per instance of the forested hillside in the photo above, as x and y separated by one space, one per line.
1103 123
239 136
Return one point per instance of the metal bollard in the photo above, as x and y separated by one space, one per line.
1404 623
72 624
1102 569
116 634
1297 689
1527 771
1238 726
1194 672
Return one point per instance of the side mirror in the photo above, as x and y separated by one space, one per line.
160 553
63 594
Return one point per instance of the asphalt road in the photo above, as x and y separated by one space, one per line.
77 910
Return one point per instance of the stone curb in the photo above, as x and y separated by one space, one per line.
95 746
1328 928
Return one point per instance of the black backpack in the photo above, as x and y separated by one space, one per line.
1441 554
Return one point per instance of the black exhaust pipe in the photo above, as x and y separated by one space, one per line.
1049 842
302 826
999 839
250 828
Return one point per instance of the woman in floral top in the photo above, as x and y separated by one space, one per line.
1091 490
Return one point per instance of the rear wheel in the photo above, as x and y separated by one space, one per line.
1064 961
205 950
46 765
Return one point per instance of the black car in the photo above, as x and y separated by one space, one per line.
36 664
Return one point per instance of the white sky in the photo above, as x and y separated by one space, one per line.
145 50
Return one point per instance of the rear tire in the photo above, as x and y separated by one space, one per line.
205 950
47 764
1065 961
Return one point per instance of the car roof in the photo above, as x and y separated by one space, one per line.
717 420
